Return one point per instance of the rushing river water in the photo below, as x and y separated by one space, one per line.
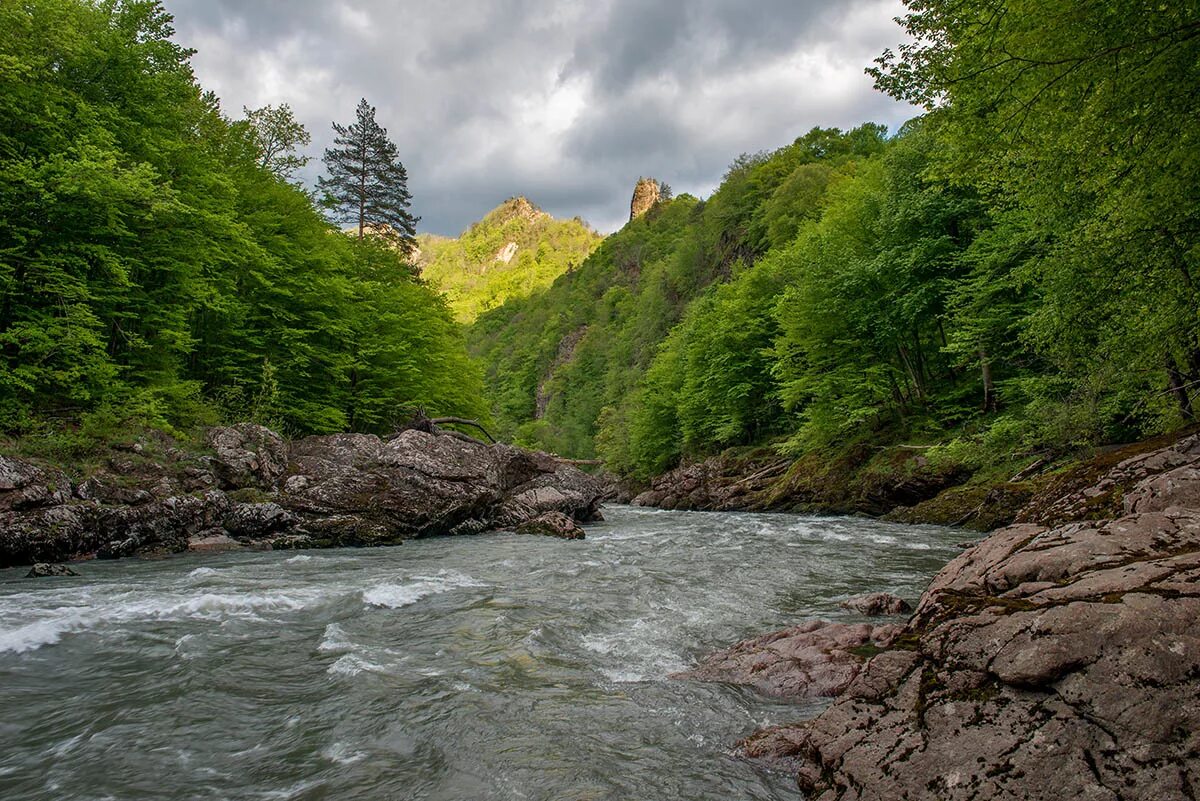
490 667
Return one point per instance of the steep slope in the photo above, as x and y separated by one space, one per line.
565 364
514 251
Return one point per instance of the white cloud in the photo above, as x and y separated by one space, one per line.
567 102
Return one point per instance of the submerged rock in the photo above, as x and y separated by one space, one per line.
552 524
811 660
43 570
877 603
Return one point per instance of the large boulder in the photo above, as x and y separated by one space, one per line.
247 455
415 485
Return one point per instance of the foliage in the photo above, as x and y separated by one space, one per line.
277 135
1077 122
566 366
515 250
154 270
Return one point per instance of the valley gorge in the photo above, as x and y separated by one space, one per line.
861 466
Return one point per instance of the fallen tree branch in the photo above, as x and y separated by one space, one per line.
462 421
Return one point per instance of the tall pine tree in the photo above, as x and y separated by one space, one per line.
367 185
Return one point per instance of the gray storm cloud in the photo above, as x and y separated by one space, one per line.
564 102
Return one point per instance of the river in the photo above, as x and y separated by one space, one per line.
489 667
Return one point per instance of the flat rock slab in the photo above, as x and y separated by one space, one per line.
812 660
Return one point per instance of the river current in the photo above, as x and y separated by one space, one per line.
470 668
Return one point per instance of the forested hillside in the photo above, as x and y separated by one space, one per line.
514 251
156 269
1014 272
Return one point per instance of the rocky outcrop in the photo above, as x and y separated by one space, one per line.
1122 481
763 480
645 194
874 604
1051 660
552 524
811 660
715 484
254 489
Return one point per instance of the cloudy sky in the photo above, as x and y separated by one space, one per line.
565 101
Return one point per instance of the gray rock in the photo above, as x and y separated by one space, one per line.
213 540
247 455
44 569
877 603
814 659
24 485
344 489
1043 663
257 520
552 524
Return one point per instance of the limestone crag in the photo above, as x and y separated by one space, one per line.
645 194
256 489
1046 662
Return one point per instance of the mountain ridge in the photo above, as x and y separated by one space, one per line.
514 250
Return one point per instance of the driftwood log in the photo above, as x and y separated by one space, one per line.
433 425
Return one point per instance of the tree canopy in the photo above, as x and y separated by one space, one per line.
156 265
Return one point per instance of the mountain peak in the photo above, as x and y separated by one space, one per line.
515 207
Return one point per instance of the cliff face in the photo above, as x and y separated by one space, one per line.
645 195
1051 660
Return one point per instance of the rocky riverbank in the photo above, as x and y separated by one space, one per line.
246 486
1059 657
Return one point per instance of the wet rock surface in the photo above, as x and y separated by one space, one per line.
552 524
811 660
1048 661
253 488
875 604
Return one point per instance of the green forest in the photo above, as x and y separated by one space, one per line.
1014 271
158 267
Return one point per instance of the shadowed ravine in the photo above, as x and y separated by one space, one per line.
491 667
